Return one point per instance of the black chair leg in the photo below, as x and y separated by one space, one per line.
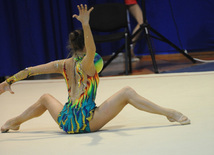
126 55
129 55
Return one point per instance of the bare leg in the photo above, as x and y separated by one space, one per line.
112 106
46 102
136 12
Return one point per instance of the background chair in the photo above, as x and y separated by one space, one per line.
112 18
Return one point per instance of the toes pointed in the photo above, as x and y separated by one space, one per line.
4 130
184 120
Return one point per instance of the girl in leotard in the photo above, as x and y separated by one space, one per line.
80 114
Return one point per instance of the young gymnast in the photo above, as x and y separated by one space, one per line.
80 114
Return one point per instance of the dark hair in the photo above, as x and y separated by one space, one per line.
76 40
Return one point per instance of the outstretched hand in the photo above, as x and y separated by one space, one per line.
84 14
4 86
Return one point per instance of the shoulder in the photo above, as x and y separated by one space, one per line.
94 66
65 63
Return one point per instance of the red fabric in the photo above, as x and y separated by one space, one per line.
129 2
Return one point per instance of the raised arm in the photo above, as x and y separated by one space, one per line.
52 67
88 61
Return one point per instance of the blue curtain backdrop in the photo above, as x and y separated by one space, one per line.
34 32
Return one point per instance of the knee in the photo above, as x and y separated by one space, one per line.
128 91
44 98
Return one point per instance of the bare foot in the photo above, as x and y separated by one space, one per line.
178 117
10 124
170 119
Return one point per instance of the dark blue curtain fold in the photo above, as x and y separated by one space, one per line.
34 32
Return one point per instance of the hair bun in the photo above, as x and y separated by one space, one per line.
73 36
76 40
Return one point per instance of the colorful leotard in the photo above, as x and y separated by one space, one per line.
75 116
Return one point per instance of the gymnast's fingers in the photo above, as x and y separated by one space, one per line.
74 16
90 9
86 7
82 8
10 90
80 11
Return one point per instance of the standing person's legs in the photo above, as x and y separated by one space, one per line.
136 12
112 106
46 102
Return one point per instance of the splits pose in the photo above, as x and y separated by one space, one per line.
80 114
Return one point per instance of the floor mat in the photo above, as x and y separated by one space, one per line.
204 67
